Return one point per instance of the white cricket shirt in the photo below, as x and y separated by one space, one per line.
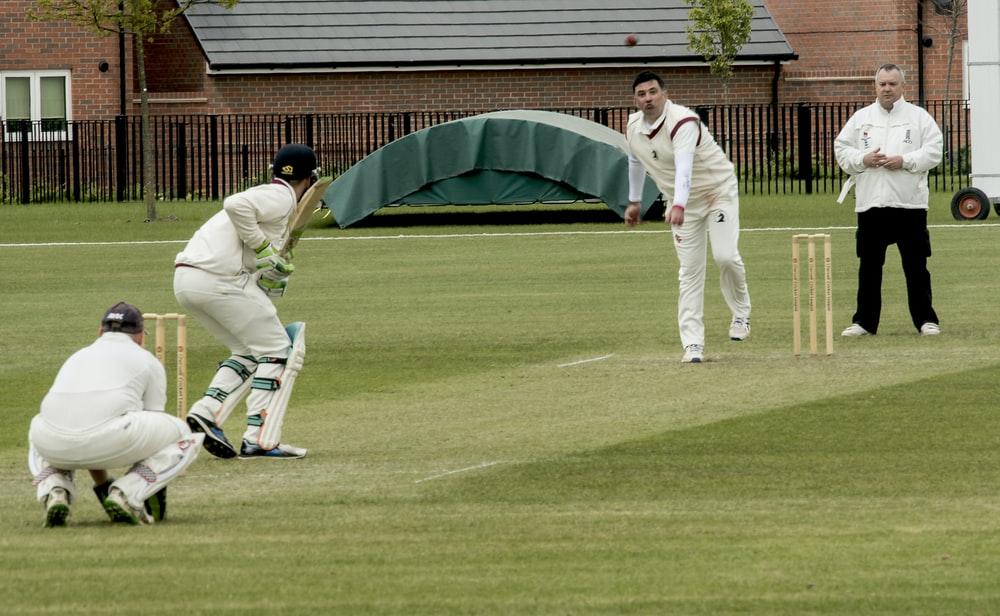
109 378
225 244
656 151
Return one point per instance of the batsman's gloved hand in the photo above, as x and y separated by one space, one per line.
273 283
268 259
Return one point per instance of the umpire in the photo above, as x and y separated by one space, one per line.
888 147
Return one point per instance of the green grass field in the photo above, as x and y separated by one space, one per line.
498 423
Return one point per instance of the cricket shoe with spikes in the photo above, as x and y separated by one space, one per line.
156 505
215 442
283 451
854 330
56 508
930 329
693 354
119 509
739 328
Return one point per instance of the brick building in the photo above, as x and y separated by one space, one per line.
555 55
840 43
57 58
801 50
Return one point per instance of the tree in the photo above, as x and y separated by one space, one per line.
717 30
143 20
954 12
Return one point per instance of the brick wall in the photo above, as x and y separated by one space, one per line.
176 63
30 45
178 84
939 28
469 89
841 43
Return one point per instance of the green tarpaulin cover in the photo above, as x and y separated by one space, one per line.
501 157
487 186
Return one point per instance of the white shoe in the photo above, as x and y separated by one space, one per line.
854 330
283 451
930 329
693 354
119 509
739 329
56 508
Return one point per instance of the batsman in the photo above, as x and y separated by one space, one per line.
226 276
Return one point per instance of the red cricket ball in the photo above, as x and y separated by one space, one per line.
631 40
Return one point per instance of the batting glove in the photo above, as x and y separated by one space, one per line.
273 287
268 259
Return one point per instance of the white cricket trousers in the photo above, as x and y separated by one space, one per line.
241 316
119 442
234 310
715 220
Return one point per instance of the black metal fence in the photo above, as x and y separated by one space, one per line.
776 149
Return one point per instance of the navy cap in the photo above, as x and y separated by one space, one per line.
122 317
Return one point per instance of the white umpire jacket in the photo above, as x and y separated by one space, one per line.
907 130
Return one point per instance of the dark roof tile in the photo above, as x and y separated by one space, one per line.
287 34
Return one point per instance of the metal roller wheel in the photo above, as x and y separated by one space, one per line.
970 204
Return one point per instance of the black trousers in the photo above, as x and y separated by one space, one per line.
879 228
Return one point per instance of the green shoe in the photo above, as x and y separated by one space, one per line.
56 508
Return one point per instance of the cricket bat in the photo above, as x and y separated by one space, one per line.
310 203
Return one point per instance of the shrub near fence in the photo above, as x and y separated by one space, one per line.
780 149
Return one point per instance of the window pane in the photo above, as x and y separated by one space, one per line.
18 98
53 98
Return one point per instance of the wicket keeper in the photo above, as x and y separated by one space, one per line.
105 410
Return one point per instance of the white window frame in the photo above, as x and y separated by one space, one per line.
35 91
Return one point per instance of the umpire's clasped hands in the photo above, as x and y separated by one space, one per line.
876 158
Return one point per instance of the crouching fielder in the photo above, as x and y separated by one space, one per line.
226 277
97 416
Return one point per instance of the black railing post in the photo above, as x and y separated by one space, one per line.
213 155
121 157
64 173
309 130
182 187
75 164
245 163
773 138
805 146
25 162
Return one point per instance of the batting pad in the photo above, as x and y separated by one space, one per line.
274 416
